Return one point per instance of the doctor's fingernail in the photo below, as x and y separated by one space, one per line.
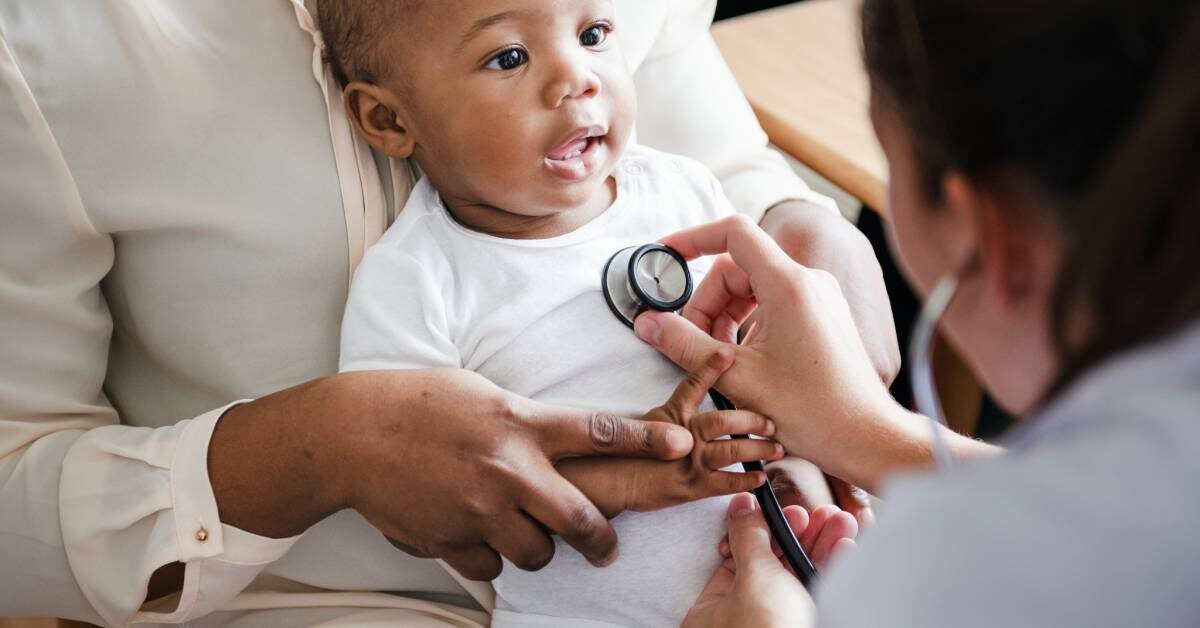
648 329
741 506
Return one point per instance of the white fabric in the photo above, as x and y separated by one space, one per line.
1089 520
530 316
174 236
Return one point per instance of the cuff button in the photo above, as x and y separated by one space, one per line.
202 535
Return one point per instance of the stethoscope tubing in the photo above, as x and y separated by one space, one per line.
781 530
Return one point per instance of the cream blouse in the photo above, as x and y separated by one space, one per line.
182 204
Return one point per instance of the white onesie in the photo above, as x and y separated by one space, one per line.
531 317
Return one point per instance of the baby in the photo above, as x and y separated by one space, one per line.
519 114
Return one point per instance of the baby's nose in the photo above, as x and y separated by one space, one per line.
570 80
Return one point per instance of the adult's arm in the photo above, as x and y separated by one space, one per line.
804 365
93 508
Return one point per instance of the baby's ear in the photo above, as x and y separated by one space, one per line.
377 114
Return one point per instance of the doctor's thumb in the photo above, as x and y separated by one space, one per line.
676 338
749 538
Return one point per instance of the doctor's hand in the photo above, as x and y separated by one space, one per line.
803 364
818 238
753 588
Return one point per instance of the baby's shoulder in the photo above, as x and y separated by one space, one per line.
418 231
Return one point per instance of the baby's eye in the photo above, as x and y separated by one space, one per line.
510 59
595 35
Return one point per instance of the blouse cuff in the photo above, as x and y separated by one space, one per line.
221 560
136 499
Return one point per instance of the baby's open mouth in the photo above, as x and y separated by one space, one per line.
577 157
575 148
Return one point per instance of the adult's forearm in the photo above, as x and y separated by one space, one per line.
268 467
885 442
272 463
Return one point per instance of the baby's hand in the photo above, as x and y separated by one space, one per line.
700 475
618 484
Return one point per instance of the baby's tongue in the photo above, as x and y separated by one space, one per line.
575 146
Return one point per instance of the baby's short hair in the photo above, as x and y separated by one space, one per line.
353 30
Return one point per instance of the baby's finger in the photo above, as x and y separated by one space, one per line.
816 523
843 546
691 392
797 518
721 483
839 526
722 453
713 425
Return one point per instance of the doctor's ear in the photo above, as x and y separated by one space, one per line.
379 116
993 220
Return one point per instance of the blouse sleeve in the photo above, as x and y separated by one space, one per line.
690 104
91 507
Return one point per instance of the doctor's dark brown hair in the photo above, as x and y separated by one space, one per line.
1097 103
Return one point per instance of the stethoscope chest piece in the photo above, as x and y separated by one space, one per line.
650 277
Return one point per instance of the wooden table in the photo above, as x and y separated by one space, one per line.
801 68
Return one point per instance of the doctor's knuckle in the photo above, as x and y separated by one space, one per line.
741 222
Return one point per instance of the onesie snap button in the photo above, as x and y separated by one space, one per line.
633 169
201 535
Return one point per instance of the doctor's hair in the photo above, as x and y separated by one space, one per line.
353 31
1094 102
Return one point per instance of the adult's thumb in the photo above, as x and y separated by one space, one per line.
750 538
677 338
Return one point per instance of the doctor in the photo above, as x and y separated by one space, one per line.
1047 156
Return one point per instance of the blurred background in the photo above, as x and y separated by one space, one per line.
731 8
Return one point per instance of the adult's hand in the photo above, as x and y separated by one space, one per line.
798 482
803 364
816 238
753 588
442 462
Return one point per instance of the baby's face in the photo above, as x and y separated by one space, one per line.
520 105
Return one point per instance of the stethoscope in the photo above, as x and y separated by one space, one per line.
656 277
